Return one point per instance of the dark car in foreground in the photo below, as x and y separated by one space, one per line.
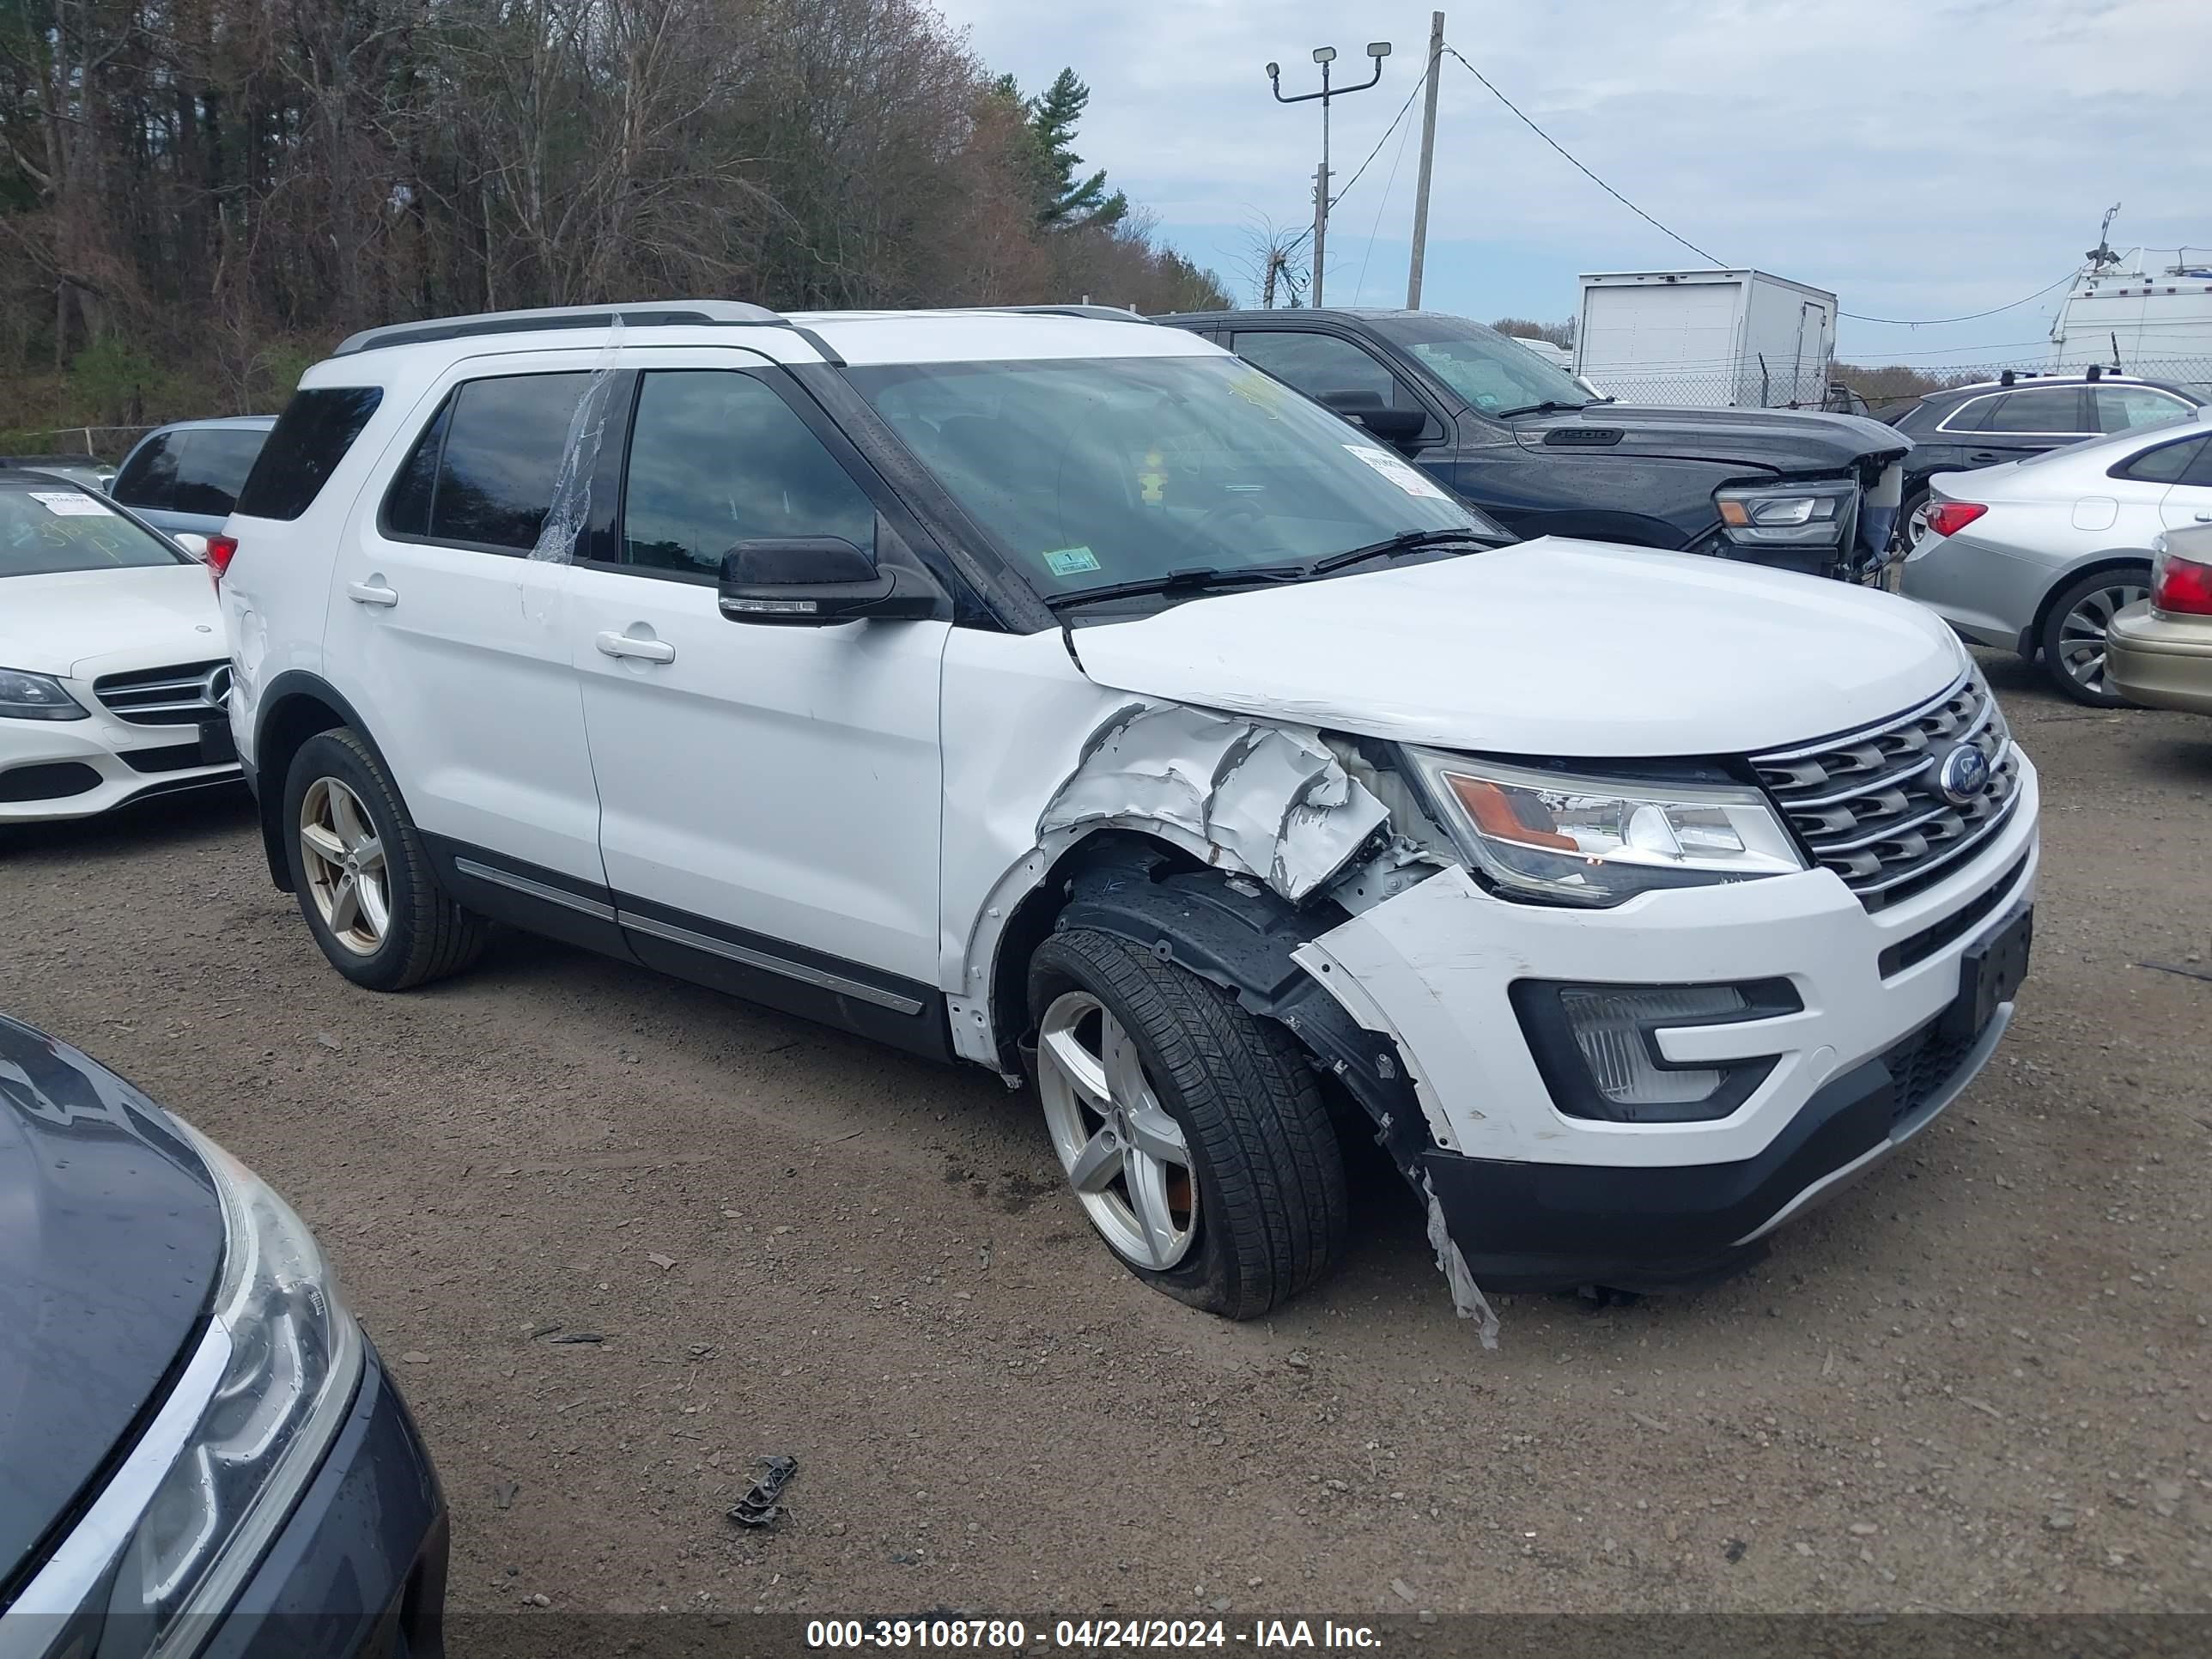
198 1447
2014 416
1528 444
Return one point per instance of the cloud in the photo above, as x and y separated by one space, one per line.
1920 158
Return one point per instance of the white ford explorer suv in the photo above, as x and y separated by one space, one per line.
1063 696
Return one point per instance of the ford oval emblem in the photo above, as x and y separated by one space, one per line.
1965 774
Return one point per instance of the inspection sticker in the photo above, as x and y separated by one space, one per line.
1071 560
1404 474
70 504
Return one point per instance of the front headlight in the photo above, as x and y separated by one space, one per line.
295 1356
1561 839
1787 515
37 697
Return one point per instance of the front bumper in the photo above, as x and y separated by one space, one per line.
2161 661
78 768
1540 1197
359 1569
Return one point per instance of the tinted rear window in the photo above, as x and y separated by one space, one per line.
483 472
311 438
212 466
148 478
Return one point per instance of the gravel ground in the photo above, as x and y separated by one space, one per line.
1977 1381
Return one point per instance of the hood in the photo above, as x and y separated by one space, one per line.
1783 441
143 618
1549 647
113 1239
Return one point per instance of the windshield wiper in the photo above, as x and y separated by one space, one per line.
1406 543
1549 406
1178 581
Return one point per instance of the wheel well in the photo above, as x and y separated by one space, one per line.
1031 924
297 717
2097 566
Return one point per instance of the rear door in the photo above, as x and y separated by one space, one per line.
2189 501
769 796
2009 426
452 642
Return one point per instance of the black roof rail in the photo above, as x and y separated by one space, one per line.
1101 314
662 314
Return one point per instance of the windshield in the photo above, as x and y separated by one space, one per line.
1111 470
48 528
1494 373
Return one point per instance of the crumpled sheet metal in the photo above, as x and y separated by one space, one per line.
1274 800
1467 1296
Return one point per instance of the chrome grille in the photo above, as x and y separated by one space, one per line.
1866 804
188 694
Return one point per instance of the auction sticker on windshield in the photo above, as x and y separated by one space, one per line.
1408 476
1071 560
70 504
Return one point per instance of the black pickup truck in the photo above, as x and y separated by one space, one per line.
1537 450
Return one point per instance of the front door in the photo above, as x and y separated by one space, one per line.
769 796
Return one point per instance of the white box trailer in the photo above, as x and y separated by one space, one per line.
1711 339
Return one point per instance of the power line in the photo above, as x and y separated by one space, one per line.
1337 200
1856 317
1577 165
1388 184
1972 316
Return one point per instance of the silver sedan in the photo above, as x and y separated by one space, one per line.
2040 555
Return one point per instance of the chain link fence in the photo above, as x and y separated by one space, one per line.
1841 386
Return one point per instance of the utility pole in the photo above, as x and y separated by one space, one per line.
1377 50
1428 162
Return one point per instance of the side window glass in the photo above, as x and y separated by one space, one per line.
2054 410
2119 407
407 505
149 477
716 457
1319 365
212 469
1970 416
311 437
2167 464
2199 475
503 444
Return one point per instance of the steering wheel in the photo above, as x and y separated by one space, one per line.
1212 526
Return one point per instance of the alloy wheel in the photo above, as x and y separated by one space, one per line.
2082 634
1124 1152
344 861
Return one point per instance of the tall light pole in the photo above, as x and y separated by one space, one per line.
1428 163
1376 49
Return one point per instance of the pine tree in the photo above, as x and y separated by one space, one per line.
1063 203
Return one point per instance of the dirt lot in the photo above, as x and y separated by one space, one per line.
1978 1381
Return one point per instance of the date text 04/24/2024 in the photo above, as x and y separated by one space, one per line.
1084 1635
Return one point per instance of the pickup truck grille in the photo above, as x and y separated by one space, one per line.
188 694
1868 806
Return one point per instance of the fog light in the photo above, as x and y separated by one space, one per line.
1597 1046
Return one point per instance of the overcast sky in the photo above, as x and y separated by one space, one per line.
1920 158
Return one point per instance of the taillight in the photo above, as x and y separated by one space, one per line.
1949 518
2181 587
221 550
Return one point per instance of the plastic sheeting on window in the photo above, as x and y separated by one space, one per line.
580 458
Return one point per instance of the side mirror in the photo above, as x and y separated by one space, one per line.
1367 408
817 581
192 542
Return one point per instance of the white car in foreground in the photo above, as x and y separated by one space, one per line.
113 674
1065 696
2039 555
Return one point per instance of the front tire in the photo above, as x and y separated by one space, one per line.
1193 1133
363 878
2073 632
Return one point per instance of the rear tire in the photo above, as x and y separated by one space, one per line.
1154 1080
364 880
2073 634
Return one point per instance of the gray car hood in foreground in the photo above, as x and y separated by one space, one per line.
110 1243
1552 648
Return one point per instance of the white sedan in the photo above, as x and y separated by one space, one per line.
113 677
2040 555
